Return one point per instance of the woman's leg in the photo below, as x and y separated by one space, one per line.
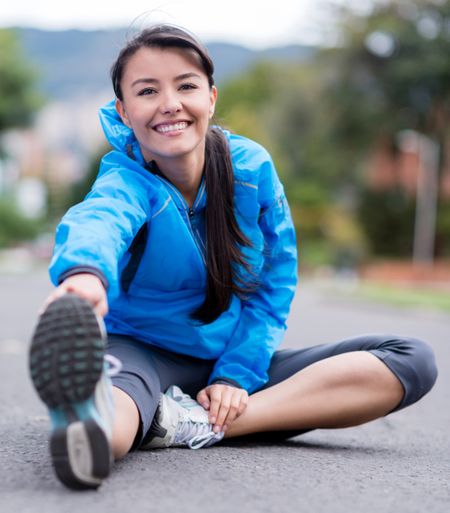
340 391
136 391
126 423
146 372
339 385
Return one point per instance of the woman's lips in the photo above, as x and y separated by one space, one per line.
172 127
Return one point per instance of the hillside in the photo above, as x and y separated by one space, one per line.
75 63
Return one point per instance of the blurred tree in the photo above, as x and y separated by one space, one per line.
14 226
386 217
281 107
18 96
391 73
18 102
244 102
322 118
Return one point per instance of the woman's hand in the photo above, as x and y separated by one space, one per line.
224 402
86 286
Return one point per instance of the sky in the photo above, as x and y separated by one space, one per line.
254 23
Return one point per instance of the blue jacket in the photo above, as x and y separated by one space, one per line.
168 284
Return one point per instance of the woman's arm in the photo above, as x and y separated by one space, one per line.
94 235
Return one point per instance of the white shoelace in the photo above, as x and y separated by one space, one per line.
196 434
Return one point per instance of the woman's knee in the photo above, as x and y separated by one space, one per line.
426 365
414 363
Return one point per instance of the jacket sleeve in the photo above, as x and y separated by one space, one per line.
261 327
97 232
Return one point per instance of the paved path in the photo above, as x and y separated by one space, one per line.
399 464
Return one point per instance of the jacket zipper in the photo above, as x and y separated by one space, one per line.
189 214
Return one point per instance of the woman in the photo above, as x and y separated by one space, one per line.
186 246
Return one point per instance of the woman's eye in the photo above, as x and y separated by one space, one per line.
147 91
188 86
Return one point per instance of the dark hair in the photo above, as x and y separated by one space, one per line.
223 235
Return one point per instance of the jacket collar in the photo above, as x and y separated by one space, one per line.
118 134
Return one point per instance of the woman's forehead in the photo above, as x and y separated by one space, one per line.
163 61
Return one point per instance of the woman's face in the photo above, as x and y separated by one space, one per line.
167 102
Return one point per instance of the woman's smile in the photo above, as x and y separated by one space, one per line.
167 102
172 129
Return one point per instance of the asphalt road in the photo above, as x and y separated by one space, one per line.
398 464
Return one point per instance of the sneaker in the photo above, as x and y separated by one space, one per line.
180 421
71 376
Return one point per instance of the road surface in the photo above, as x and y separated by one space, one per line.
398 464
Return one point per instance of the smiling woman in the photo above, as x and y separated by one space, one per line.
186 237
170 113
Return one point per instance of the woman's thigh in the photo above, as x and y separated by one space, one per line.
411 360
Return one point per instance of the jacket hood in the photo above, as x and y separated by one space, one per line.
117 133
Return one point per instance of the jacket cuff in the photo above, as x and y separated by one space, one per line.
225 381
79 269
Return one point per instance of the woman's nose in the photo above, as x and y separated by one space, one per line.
170 103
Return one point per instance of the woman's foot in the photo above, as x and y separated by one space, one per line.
180 421
68 371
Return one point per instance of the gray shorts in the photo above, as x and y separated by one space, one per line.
147 370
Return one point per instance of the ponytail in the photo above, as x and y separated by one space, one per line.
223 235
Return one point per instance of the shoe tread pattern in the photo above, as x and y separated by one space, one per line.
66 355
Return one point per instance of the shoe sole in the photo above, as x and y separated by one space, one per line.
66 362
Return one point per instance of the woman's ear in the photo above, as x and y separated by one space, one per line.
122 113
213 99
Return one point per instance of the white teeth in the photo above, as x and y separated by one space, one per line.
170 128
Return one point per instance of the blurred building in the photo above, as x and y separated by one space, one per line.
399 165
56 150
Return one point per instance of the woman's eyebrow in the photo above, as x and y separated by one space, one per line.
183 76
145 81
187 75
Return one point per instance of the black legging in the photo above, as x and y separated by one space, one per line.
148 370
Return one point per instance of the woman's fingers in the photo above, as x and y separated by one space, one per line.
56 294
215 395
237 407
202 398
225 403
85 285
224 409
101 308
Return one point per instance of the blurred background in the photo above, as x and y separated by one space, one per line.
352 99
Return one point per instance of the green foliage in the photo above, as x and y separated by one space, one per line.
244 102
18 99
321 119
387 217
14 227
281 107
392 72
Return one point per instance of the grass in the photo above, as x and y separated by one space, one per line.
405 296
